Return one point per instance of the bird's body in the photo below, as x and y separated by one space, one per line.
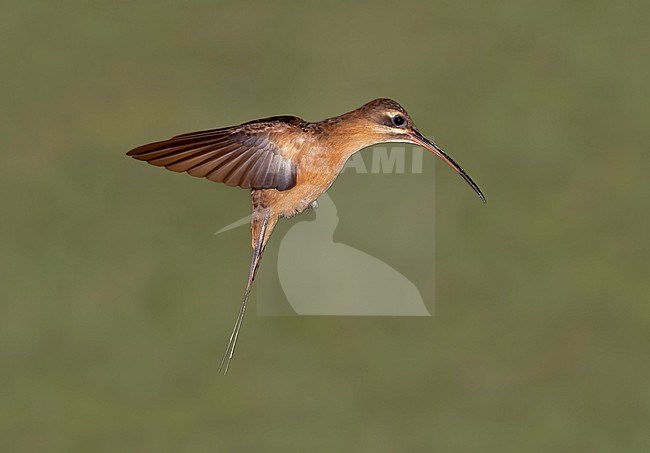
318 168
286 162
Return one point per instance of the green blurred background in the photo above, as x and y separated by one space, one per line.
117 299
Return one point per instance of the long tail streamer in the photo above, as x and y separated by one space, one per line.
255 262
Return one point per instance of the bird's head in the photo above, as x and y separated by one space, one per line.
385 121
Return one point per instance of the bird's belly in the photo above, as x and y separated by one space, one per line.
309 187
294 201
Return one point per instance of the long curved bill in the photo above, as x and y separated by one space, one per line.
428 144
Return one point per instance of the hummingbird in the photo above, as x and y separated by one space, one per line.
287 163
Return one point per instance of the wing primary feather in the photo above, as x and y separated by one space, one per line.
203 169
189 162
246 178
236 175
174 142
176 157
221 172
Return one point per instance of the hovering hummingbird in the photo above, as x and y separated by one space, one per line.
287 163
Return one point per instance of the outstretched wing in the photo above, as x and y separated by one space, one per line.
250 155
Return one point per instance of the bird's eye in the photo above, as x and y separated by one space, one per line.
398 120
